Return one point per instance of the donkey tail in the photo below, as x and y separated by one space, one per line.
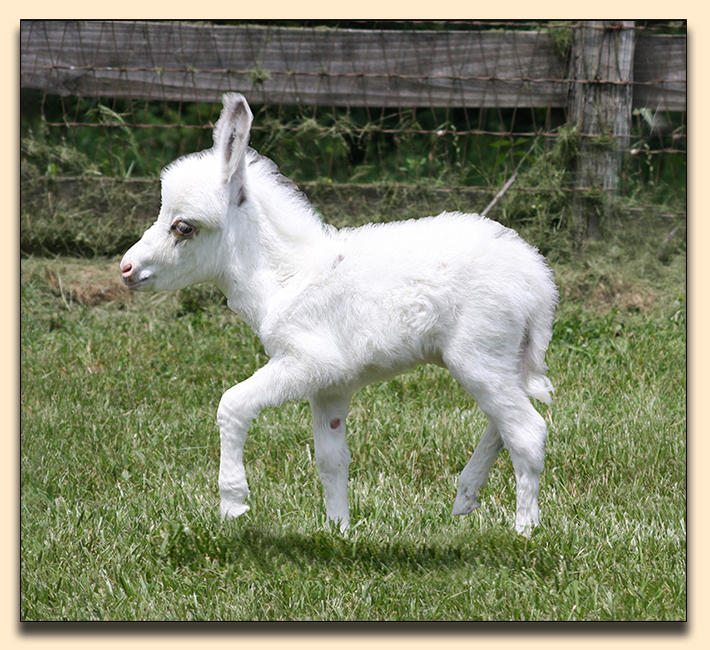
534 346
538 385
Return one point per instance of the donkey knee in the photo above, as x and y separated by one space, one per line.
525 441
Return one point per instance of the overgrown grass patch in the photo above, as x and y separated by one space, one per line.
120 455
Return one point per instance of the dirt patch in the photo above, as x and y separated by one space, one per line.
84 283
621 296
607 292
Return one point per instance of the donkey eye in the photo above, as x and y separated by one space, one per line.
183 228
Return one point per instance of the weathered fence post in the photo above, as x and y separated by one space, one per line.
601 92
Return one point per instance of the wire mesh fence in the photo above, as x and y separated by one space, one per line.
367 109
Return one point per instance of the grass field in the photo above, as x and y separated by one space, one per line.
120 453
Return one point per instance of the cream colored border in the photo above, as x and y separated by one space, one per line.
347 636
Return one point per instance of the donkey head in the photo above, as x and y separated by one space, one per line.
199 193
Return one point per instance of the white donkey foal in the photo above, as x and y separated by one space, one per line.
338 309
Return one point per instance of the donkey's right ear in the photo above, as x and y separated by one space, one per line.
231 134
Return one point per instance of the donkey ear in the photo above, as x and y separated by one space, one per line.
231 135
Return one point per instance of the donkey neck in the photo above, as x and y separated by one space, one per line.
267 252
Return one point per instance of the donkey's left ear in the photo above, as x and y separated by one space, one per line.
231 135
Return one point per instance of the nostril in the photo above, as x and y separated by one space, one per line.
126 270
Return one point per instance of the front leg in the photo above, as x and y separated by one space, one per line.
332 455
233 427
271 385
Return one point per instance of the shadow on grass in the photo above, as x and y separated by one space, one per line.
288 553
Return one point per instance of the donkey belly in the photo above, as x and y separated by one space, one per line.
399 338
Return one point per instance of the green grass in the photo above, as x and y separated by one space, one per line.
120 453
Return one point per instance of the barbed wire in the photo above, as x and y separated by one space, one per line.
480 100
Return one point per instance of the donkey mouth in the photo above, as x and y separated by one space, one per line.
133 276
136 283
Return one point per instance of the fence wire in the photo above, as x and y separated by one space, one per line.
456 105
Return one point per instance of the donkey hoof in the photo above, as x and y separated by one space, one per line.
525 531
233 510
525 528
465 504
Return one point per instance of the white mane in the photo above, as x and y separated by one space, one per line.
285 206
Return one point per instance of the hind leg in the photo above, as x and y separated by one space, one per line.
515 425
475 474
528 455
523 432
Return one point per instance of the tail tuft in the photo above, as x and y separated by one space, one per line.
534 346
539 387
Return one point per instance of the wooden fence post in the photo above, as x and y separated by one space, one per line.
601 93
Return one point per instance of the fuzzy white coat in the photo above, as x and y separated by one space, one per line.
338 309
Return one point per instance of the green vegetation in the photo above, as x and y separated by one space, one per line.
119 445
409 159
120 452
434 147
